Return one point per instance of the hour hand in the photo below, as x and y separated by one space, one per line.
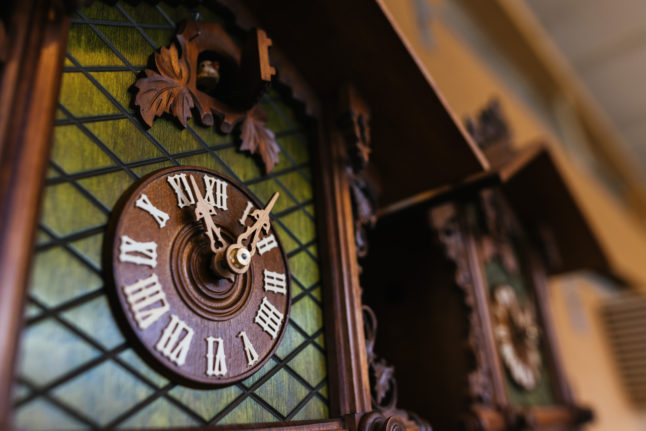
205 212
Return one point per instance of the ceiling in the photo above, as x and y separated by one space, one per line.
605 42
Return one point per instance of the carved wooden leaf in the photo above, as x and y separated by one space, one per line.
258 139
166 91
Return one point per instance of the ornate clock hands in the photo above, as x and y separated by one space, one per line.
205 212
238 256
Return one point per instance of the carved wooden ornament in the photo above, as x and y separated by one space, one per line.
200 278
204 70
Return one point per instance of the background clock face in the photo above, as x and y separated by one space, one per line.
517 335
198 326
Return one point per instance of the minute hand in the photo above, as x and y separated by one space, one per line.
262 222
204 212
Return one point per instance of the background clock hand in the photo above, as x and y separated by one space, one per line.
238 255
205 212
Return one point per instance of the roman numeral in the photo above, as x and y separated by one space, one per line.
160 216
245 214
182 190
141 253
266 244
275 282
269 318
216 364
175 340
147 301
249 351
220 187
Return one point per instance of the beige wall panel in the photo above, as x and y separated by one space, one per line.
575 302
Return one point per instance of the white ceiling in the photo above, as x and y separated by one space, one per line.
605 42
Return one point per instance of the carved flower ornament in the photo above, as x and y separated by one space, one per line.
204 70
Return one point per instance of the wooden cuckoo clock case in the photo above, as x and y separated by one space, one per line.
488 358
199 275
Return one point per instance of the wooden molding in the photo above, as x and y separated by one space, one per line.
349 383
483 387
30 87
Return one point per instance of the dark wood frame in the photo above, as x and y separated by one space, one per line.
31 78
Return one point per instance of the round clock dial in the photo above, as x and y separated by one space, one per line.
517 335
199 275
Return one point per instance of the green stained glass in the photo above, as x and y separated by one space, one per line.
71 140
298 184
291 341
104 12
58 277
95 103
90 248
42 415
124 139
207 404
316 293
174 139
282 381
143 369
265 189
289 244
246 167
72 346
107 188
248 411
300 221
260 373
144 14
128 43
304 268
32 311
204 160
160 414
43 360
66 210
107 385
310 365
94 318
314 408
117 84
86 48
307 314
295 147
323 391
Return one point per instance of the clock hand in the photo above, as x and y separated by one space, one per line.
238 255
205 212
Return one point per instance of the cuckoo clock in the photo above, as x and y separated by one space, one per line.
197 180
463 306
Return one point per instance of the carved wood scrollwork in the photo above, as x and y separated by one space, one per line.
451 235
204 70
354 124
377 422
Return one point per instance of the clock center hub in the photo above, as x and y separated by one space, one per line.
207 294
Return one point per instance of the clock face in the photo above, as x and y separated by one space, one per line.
517 335
199 275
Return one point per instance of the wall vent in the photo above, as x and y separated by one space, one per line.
625 322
